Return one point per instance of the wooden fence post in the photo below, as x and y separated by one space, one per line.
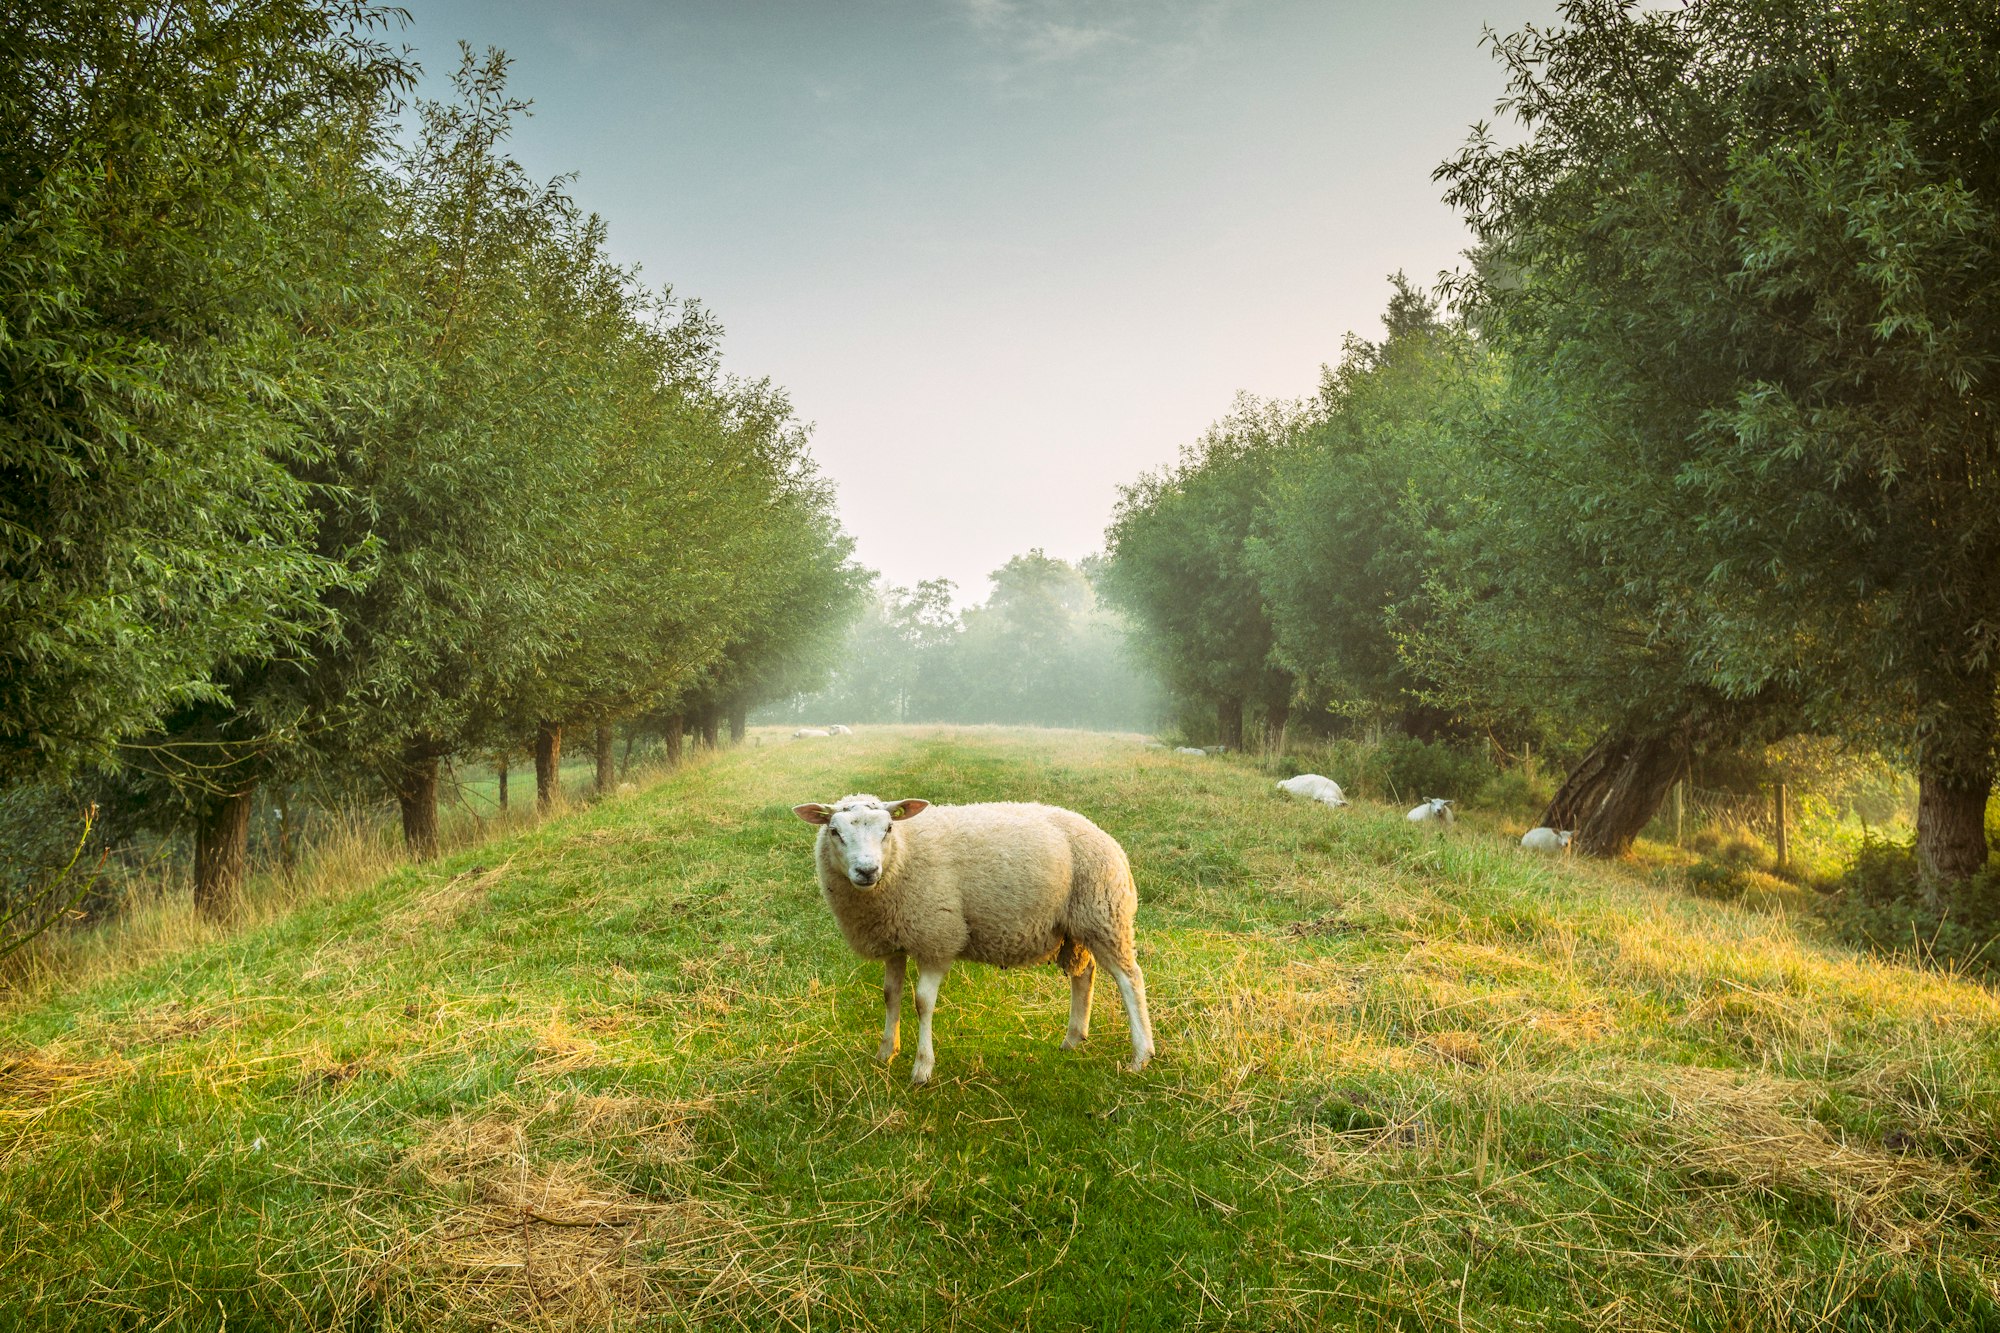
1784 846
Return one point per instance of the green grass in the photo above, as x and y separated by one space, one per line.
615 1071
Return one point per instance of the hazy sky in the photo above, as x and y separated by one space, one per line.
1005 254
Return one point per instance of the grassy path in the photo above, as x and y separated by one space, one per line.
616 1072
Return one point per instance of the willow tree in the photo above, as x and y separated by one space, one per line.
1761 240
164 182
1177 564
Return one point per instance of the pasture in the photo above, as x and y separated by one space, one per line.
615 1071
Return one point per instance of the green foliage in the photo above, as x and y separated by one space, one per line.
1883 903
1745 260
1719 881
167 177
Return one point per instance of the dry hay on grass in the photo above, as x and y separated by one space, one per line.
561 1244
33 1083
1747 1135
444 905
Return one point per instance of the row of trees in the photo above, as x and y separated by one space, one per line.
335 443
1039 651
1709 456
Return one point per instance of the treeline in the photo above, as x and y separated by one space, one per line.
1039 651
1706 455
335 444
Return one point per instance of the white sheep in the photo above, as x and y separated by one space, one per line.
1547 840
837 730
1435 809
803 732
1314 787
1189 749
1008 884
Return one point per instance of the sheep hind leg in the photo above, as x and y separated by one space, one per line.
894 970
1124 969
928 981
1079 1007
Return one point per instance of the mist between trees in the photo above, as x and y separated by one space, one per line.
1702 454
1039 651
337 450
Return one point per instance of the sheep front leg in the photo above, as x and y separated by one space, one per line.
929 978
894 970
1079 1007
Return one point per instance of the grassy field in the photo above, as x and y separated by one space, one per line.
616 1071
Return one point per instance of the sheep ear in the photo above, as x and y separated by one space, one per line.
904 809
813 814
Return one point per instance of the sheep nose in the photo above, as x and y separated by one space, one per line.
866 877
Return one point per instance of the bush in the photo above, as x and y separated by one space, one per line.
1409 770
1719 881
1878 904
1515 791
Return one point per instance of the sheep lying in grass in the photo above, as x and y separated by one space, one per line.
1434 810
1314 787
804 733
1008 884
1546 840
837 730
1189 749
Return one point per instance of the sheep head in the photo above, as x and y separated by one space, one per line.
855 831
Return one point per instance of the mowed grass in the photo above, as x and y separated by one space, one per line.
616 1071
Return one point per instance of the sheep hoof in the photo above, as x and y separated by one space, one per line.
920 1075
1072 1042
886 1052
1139 1062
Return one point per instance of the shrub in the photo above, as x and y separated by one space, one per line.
1879 904
1408 770
1516 792
1718 880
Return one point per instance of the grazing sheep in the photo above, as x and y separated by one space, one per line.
803 732
1189 749
1546 840
1314 787
1434 808
837 730
1008 884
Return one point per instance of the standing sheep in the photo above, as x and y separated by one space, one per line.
1007 884
1434 808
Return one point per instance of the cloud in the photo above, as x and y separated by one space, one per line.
1121 42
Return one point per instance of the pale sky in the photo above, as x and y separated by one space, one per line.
1005 254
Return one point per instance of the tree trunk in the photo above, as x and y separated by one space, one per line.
710 728
739 722
676 727
288 834
417 794
548 765
500 770
1635 793
607 775
625 760
1616 789
221 853
1951 827
1229 722
1583 790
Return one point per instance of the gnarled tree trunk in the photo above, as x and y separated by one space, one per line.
675 728
548 765
221 852
739 722
710 728
417 795
500 772
1951 827
1616 788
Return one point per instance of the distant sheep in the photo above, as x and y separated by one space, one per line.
804 733
1007 884
838 730
1314 787
1546 840
1434 810
1189 749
